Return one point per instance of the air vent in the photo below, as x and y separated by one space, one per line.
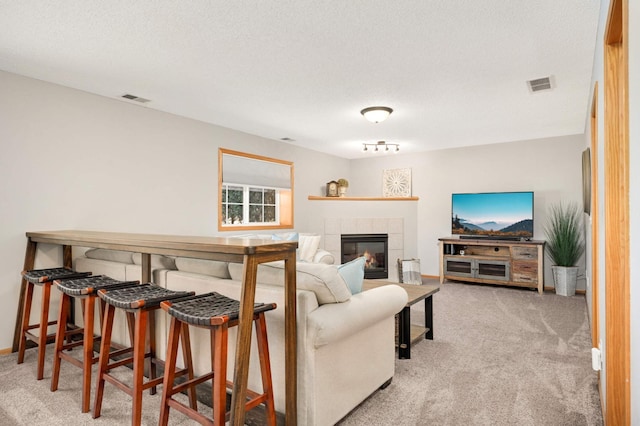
136 98
539 84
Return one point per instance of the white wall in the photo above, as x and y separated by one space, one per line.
551 167
73 160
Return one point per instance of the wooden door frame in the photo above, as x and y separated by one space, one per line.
616 203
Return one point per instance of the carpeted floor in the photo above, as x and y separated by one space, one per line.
501 356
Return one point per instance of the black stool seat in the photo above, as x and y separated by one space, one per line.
211 309
90 285
145 296
38 276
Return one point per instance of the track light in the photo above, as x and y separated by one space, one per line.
378 146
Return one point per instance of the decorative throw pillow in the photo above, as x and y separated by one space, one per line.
287 236
307 246
324 280
353 274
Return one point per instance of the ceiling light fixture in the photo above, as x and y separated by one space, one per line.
381 146
376 114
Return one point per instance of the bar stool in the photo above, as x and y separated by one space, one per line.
43 278
216 313
86 290
139 300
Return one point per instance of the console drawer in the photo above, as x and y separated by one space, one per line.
524 272
524 253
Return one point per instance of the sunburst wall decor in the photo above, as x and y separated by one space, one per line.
396 183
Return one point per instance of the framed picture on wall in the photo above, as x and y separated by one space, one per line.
396 183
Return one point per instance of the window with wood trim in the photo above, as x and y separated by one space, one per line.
255 192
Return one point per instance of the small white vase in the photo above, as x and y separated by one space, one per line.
342 191
565 279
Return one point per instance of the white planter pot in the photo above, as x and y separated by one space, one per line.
565 279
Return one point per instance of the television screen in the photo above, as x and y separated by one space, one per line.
493 214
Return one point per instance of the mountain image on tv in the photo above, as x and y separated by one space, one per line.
499 214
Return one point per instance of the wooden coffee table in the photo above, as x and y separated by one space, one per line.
408 333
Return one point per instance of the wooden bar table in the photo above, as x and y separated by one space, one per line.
249 252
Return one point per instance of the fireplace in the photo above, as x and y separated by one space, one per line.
373 247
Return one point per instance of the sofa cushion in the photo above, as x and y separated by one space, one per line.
110 255
353 274
307 246
157 261
323 280
212 268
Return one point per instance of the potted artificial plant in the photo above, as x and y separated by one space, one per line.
565 245
343 184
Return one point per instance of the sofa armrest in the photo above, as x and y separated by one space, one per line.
335 321
323 256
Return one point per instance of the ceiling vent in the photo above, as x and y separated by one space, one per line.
136 98
539 84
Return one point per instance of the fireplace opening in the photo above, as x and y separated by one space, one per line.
373 247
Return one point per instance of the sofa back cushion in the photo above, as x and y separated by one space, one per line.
323 280
110 255
158 261
212 268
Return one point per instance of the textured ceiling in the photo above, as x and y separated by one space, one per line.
454 71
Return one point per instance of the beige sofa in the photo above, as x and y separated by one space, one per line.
346 345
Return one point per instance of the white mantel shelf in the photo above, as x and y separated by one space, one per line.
317 198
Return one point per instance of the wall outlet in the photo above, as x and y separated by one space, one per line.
596 359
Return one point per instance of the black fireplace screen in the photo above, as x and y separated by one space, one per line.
373 247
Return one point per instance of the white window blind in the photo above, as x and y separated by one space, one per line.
250 171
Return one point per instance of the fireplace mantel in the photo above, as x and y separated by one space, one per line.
318 198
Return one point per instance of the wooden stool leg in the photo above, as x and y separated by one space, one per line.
188 363
44 322
103 361
265 368
60 336
87 346
169 370
219 338
139 349
26 313
153 372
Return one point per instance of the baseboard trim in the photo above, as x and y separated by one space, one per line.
434 277
553 290
6 351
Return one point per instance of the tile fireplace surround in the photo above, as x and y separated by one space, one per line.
393 227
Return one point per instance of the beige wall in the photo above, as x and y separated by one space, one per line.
72 160
551 167
75 160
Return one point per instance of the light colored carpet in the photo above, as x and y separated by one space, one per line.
501 356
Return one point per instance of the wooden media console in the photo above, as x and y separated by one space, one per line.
486 261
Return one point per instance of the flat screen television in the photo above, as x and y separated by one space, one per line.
500 215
